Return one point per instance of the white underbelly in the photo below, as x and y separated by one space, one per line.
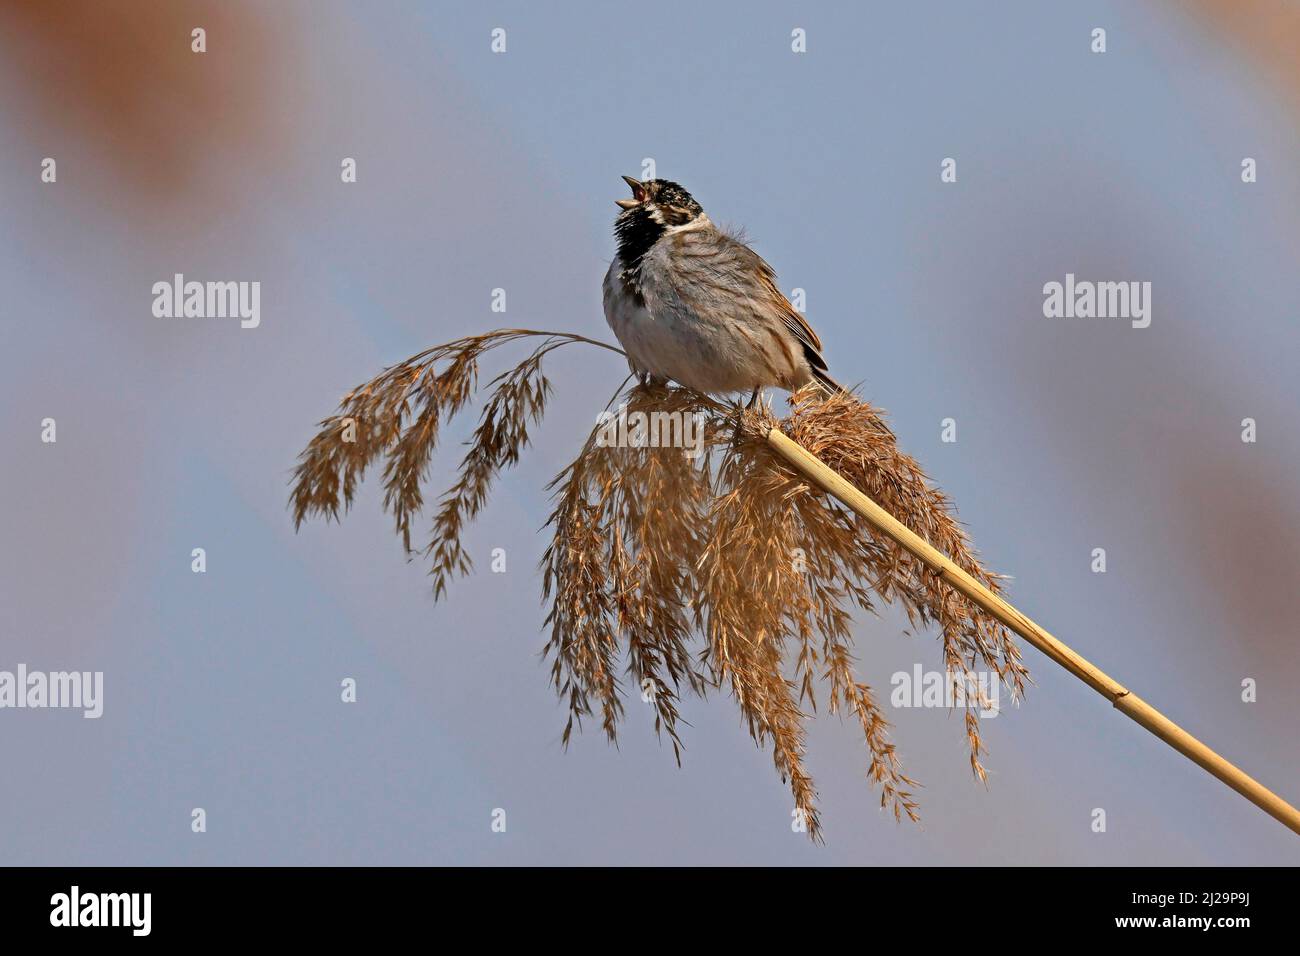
689 350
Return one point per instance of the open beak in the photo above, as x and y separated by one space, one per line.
638 194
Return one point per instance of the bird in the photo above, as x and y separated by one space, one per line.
692 303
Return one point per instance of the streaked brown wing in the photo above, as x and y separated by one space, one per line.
795 322
724 266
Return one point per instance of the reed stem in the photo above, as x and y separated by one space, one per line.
1124 700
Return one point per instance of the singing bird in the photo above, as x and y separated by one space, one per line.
691 303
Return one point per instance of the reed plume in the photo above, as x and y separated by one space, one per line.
673 574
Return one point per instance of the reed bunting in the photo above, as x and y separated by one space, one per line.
693 304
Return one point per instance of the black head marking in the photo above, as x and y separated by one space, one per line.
665 204
675 203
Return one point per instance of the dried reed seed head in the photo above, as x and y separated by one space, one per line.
666 572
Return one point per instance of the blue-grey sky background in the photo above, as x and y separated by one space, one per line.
477 171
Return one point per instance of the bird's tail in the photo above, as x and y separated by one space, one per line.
817 366
828 384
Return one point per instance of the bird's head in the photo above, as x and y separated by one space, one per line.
656 205
659 200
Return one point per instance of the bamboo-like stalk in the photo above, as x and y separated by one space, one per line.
1124 700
